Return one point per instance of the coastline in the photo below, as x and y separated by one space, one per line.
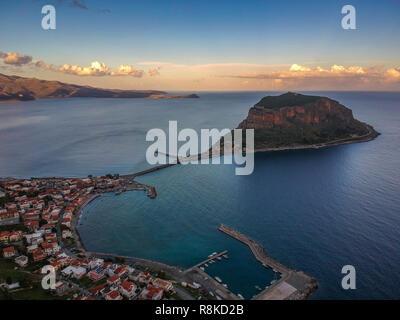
176 272
75 220
151 96
371 135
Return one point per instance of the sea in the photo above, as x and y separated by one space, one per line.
313 210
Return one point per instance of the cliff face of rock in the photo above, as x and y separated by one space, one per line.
293 119
320 112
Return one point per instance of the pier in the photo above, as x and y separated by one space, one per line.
258 251
210 258
293 285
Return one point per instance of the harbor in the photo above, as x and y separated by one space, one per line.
292 285
210 258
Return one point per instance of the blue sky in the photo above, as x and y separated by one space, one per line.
188 32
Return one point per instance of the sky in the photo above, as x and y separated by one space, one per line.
205 45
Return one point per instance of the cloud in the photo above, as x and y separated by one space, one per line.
393 74
78 4
15 58
126 70
300 72
96 69
225 76
337 76
153 72
296 67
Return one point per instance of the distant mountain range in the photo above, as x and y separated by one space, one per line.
14 88
295 121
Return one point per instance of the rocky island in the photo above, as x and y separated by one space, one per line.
14 89
296 121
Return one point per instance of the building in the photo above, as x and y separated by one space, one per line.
152 293
113 295
61 287
34 238
114 280
166 285
121 271
97 274
15 236
95 263
76 272
128 289
4 236
22 261
98 290
143 278
8 252
38 255
9 217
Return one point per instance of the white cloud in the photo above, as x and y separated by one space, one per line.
14 58
153 72
126 70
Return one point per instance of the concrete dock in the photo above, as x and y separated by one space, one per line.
215 256
293 285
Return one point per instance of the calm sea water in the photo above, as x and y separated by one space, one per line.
314 210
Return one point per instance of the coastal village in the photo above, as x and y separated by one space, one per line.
38 219
37 228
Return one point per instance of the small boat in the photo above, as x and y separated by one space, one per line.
219 258
240 296
117 193
225 285
218 279
206 265
273 281
214 253
201 268
258 288
212 261
225 256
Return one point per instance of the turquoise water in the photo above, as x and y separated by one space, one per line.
314 210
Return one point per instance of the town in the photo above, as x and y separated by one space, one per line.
38 219
37 228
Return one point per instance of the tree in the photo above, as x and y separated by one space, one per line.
25 282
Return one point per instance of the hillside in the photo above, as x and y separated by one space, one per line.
14 88
294 120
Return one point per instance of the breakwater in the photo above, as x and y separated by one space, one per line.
293 285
